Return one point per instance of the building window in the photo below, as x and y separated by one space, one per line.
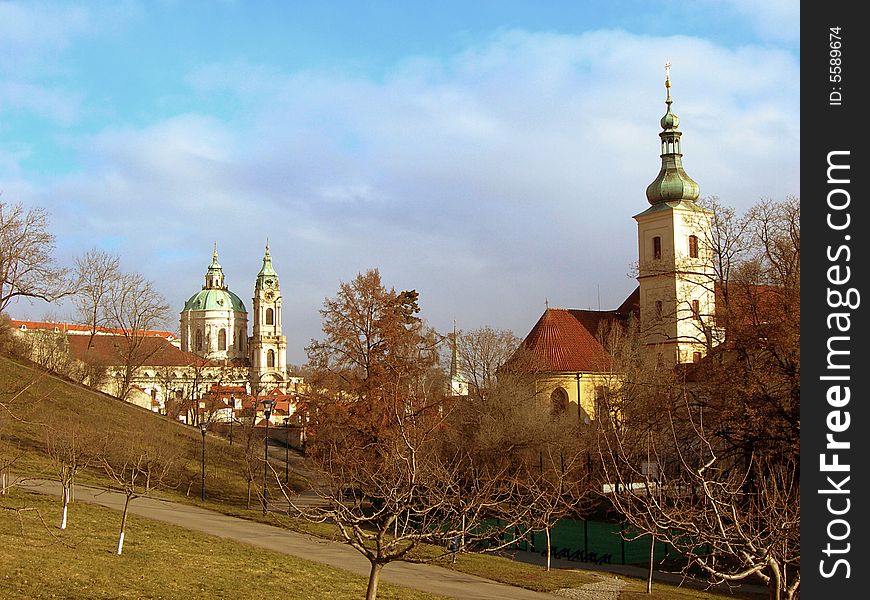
696 357
659 309
198 340
241 341
558 401
222 339
270 316
270 358
693 246
657 247
696 309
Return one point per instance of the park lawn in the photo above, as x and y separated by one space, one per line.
636 590
38 560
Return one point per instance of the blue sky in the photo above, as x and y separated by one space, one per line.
488 154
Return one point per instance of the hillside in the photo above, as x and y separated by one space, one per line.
38 407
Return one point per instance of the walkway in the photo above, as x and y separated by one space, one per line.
428 578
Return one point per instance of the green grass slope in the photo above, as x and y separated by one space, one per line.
159 561
35 405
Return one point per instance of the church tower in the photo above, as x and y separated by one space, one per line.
267 346
675 267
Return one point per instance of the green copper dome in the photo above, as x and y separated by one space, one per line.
672 183
214 299
214 295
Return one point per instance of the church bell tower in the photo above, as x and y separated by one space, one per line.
675 267
268 347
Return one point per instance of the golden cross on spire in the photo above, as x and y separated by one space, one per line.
668 78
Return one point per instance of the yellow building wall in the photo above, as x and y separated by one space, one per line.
580 390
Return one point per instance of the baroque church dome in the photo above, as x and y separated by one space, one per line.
212 299
214 321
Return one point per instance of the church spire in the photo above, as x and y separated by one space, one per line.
214 276
672 183
266 271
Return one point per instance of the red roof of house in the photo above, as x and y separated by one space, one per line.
74 328
109 350
565 339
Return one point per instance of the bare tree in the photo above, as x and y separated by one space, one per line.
133 307
27 269
731 521
480 353
378 415
70 447
559 486
136 465
391 496
97 272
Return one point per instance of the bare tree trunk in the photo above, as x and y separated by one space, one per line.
549 547
123 525
3 483
65 505
249 495
774 584
374 579
649 578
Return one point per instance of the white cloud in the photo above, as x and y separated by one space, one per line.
490 181
773 19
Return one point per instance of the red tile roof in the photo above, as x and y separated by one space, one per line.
565 339
74 328
108 350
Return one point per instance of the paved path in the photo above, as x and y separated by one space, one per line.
428 578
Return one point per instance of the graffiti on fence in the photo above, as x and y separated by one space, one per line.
566 553
580 556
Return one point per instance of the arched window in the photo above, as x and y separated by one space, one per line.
659 309
657 247
198 340
693 246
241 341
270 316
222 339
270 358
696 309
558 401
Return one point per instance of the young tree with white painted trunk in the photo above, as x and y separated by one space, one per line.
71 448
136 465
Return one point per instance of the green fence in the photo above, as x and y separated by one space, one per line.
595 542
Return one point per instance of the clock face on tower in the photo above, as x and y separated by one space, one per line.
269 295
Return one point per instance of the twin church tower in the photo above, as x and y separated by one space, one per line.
214 325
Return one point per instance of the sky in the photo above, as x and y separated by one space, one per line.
488 154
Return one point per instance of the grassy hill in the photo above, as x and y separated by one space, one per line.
38 406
